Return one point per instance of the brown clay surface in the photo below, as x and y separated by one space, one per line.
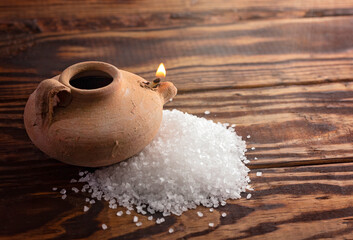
62 119
281 70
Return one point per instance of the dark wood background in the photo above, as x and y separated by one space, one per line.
281 70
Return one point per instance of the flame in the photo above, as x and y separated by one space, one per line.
161 71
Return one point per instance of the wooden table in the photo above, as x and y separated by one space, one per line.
281 70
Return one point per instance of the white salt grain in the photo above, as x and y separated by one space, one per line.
253 148
135 219
63 196
200 214
128 212
75 189
171 230
233 125
85 208
211 209
87 199
81 174
248 136
150 218
211 224
139 224
192 161
259 174
120 213
63 191
207 112
104 227
224 214
55 188
255 158
223 203
73 181
248 196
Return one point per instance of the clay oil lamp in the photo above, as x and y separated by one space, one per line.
94 114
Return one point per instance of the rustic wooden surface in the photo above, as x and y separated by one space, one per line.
281 70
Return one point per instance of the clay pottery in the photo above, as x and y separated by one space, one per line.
94 114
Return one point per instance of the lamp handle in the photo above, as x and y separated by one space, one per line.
50 94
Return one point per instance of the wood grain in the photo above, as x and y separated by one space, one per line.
308 202
288 125
280 70
58 15
266 53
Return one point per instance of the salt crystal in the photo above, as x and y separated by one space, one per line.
248 196
170 100
73 181
224 214
55 188
259 174
92 201
63 191
171 230
150 218
138 224
104 226
211 224
87 199
75 189
200 214
207 112
85 208
160 220
255 158
63 196
81 174
233 125
211 209
191 161
128 212
135 219
120 213
253 148
223 203
248 136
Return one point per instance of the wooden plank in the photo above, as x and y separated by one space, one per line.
252 54
288 125
55 15
300 203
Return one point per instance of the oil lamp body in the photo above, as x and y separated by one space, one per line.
99 126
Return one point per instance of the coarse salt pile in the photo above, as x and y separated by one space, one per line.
192 161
